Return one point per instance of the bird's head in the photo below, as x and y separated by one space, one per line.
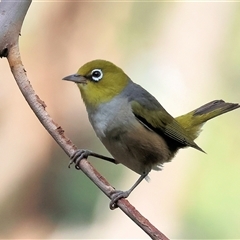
99 81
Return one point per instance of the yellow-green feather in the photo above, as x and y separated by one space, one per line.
194 120
161 120
113 82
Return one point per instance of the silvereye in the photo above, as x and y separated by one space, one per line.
132 124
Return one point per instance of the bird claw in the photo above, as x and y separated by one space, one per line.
77 156
115 196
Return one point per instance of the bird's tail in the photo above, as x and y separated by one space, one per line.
194 120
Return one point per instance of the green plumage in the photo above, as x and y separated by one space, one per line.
161 122
193 121
180 132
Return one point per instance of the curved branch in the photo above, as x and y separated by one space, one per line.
9 48
12 15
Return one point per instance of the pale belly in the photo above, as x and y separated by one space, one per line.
139 149
128 140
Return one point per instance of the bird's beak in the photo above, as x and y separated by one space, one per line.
76 78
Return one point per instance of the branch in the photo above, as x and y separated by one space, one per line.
13 14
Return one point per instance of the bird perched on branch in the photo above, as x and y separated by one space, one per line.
132 124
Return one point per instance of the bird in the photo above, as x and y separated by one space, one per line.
133 126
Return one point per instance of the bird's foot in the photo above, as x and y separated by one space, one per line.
115 196
77 156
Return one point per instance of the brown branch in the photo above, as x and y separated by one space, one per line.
9 48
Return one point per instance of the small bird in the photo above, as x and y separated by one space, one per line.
132 125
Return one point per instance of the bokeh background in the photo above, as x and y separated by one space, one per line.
186 54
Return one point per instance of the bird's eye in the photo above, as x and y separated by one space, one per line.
96 75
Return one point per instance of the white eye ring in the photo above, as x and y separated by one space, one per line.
96 75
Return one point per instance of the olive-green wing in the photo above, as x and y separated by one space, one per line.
161 122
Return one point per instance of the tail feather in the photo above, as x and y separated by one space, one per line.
214 109
194 120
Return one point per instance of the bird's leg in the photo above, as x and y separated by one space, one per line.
116 195
79 154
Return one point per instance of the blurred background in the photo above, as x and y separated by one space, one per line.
186 54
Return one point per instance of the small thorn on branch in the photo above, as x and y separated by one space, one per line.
44 105
60 130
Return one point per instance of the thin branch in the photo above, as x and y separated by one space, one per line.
10 49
